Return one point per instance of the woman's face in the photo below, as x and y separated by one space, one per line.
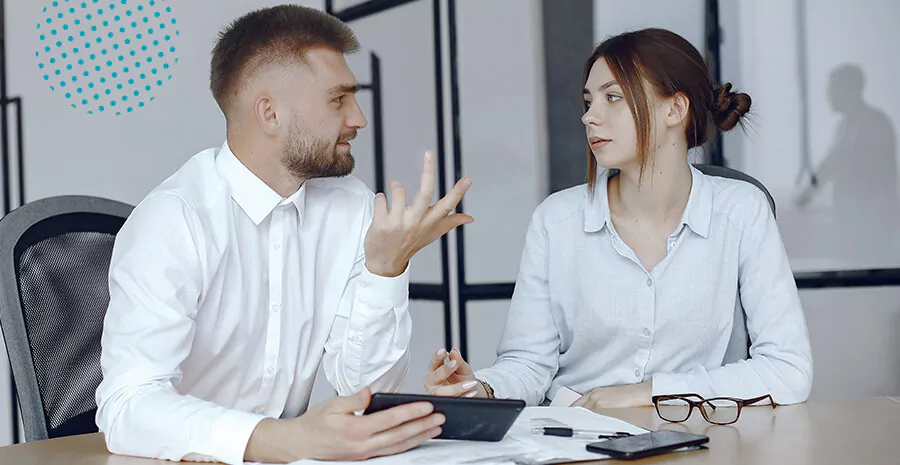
608 121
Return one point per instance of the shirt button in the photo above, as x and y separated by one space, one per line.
276 308
270 371
649 282
276 245
637 373
646 332
671 245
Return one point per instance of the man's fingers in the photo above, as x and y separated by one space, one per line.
381 210
350 404
447 224
398 199
454 390
393 417
407 435
426 186
437 360
447 204
440 375
408 444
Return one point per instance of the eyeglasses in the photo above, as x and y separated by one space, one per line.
718 410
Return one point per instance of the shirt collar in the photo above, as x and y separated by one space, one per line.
596 212
697 214
253 195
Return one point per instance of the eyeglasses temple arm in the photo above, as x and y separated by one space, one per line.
758 399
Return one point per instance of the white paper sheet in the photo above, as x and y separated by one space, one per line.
519 447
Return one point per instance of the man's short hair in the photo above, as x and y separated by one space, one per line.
278 35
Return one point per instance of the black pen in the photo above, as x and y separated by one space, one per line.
578 433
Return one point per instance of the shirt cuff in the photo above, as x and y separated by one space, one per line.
230 434
380 291
495 383
671 383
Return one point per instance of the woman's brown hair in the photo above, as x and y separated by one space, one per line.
670 65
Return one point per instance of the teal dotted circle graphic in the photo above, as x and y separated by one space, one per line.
107 56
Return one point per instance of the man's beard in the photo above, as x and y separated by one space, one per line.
308 157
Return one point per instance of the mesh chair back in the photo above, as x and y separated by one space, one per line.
54 257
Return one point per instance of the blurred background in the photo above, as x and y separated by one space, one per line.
494 87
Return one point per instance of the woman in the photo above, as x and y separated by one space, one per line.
628 287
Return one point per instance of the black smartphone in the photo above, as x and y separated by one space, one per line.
466 419
646 445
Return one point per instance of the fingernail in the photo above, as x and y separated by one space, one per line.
467 182
469 385
452 364
428 156
472 394
440 352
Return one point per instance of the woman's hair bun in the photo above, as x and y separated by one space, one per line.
729 108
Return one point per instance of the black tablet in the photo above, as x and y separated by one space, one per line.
466 419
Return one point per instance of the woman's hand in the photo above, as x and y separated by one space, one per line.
453 379
632 395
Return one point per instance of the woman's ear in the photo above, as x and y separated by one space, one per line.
679 106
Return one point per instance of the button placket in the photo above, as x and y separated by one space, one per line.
273 328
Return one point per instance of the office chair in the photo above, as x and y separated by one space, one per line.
725 172
739 345
54 261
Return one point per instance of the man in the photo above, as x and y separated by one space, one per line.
233 280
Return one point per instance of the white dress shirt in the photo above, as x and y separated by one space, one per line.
226 297
587 314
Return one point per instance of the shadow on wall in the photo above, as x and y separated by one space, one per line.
856 183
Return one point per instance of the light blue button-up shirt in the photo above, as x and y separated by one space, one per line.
587 314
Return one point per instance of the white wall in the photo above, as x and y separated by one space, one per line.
124 157
504 147
851 220
684 17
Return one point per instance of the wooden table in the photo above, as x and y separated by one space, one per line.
825 432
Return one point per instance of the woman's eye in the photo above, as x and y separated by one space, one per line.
612 98
587 104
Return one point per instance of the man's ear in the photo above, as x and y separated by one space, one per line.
266 115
